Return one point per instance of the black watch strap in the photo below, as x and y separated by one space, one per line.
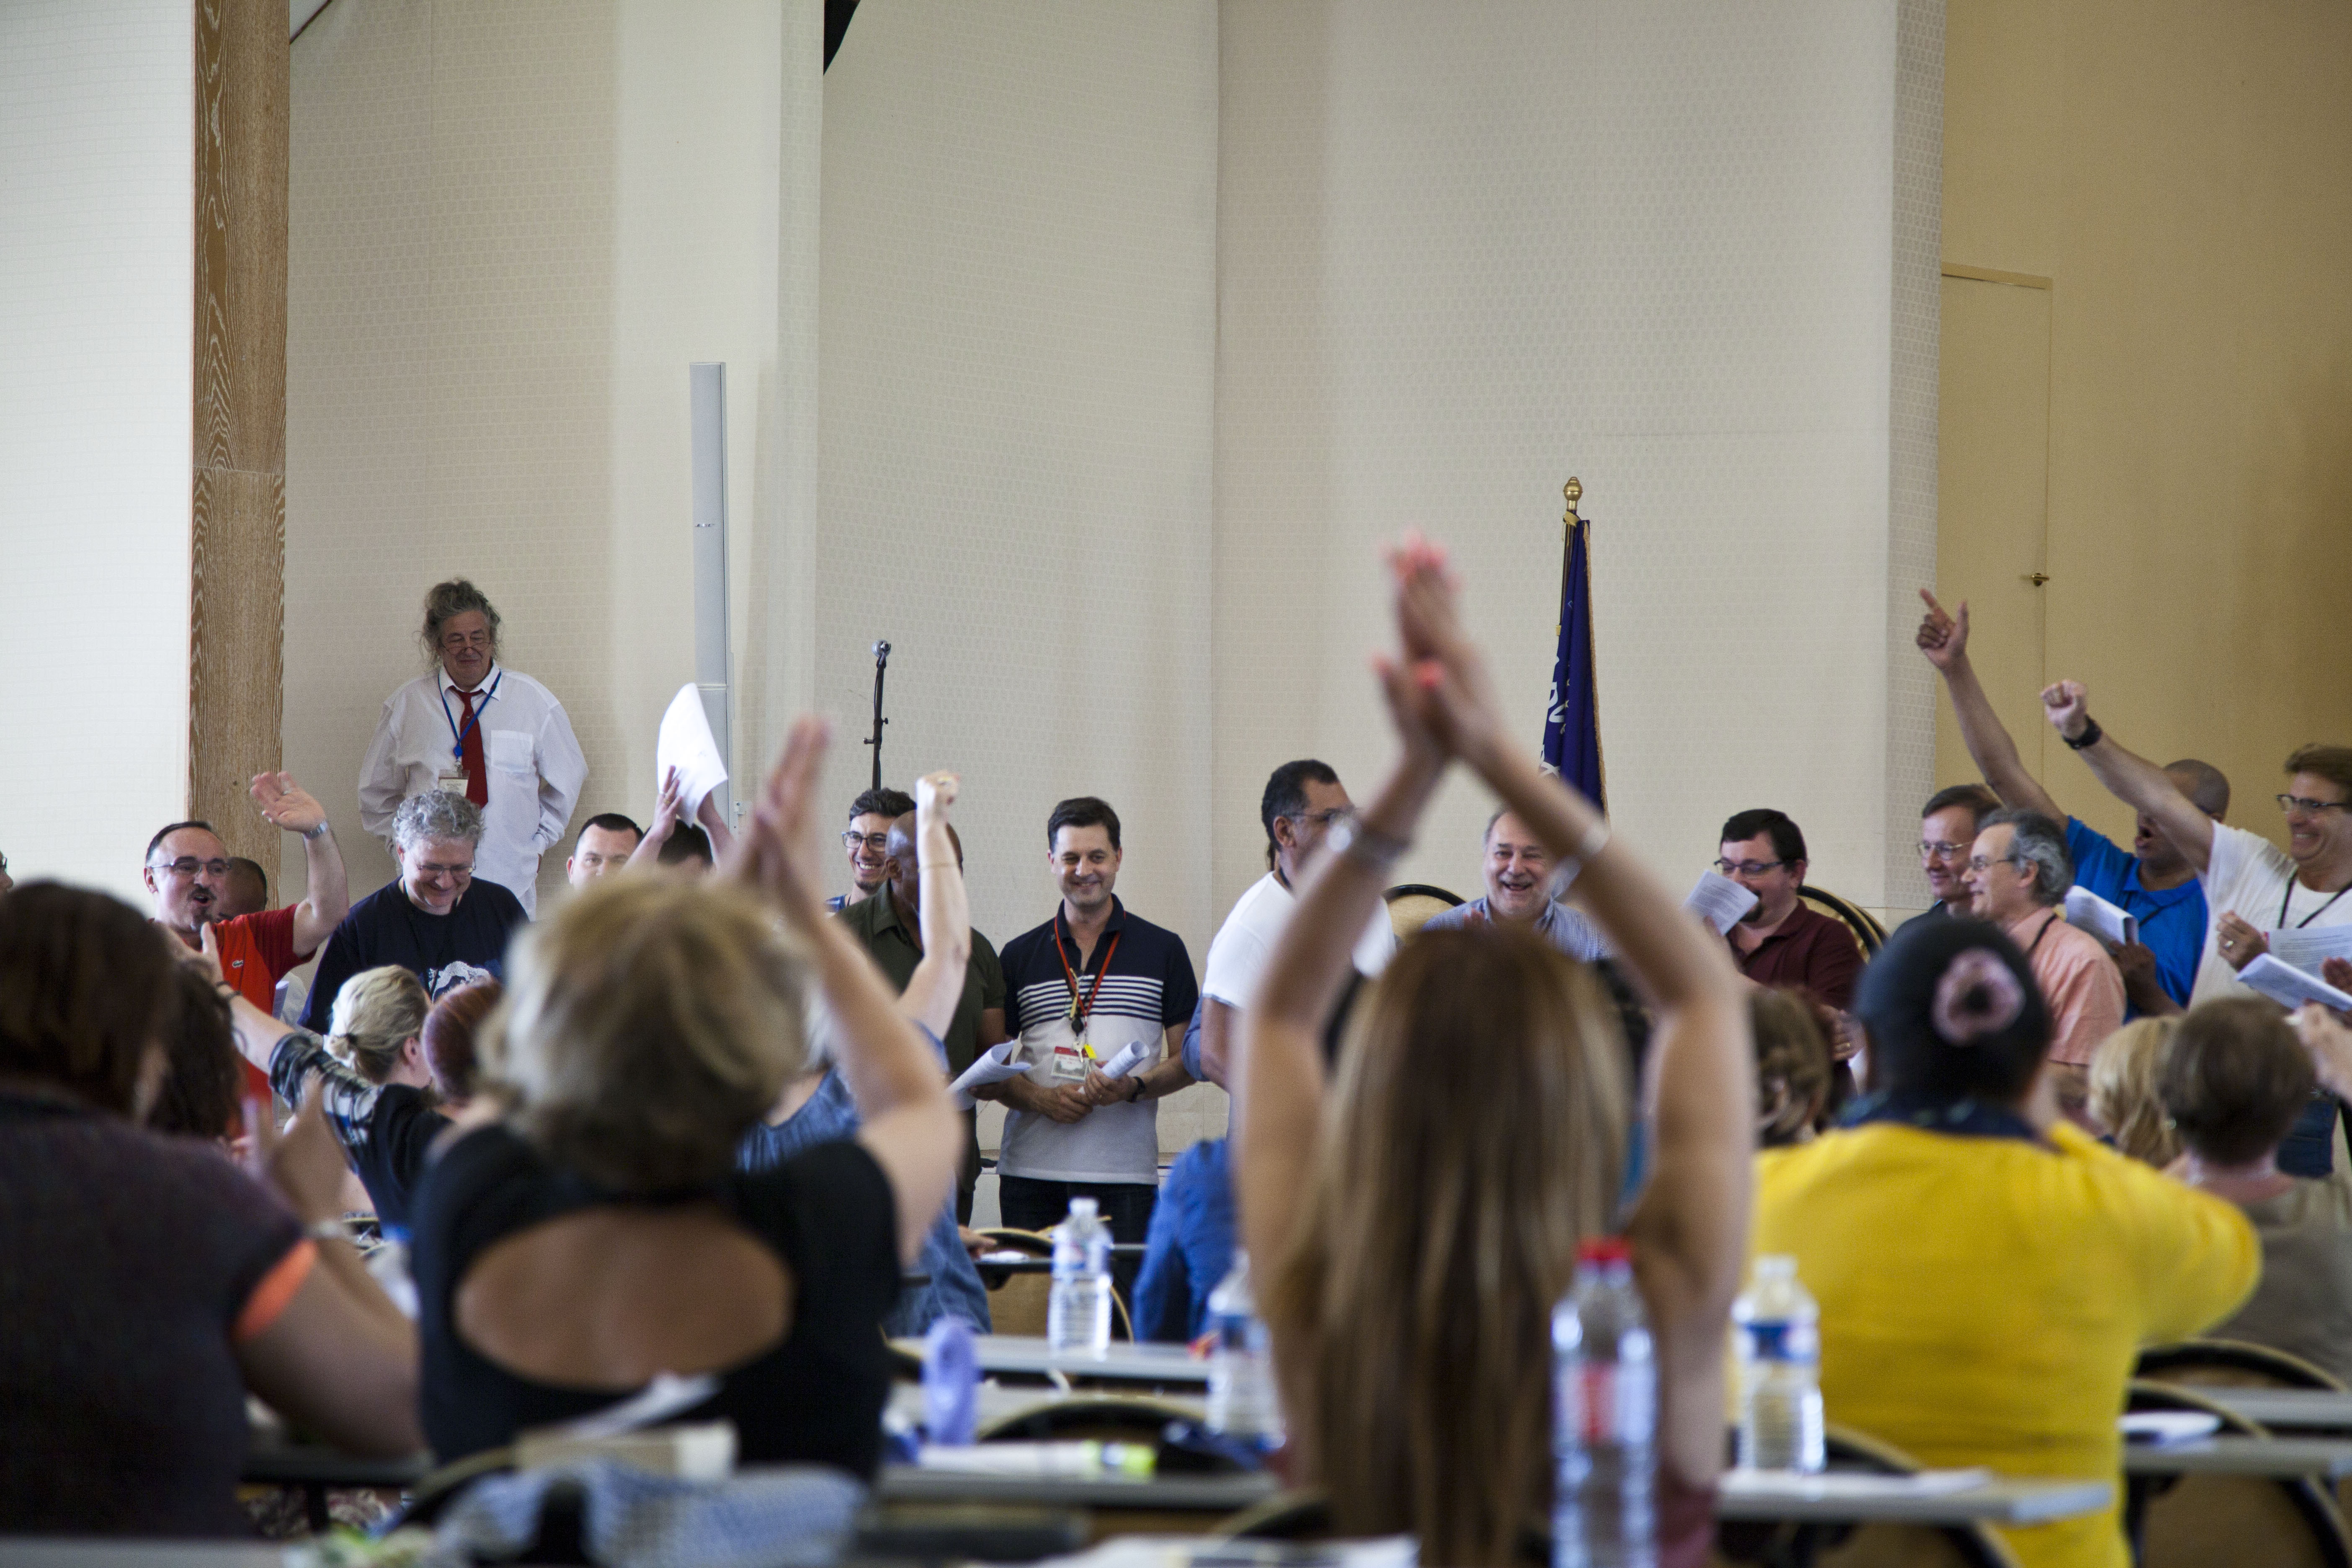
2091 736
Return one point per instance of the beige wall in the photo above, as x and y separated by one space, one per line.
97 276
2182 175
512 229
1019 329
1684 252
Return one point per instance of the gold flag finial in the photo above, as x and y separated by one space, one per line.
1574 491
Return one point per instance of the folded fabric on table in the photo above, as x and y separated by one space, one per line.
788 1516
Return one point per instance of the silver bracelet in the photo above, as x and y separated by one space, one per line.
321 831
1366 846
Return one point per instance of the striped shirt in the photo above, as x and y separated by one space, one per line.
1138 988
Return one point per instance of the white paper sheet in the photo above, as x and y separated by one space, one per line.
2308 947
994 1064
1126 1061
2289 986
685 742
2086 911
1719 901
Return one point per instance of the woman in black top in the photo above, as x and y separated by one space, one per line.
598 1234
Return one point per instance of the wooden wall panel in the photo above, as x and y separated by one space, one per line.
238 488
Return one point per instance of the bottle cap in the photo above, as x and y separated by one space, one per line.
1776 1265
1604 1250
1083 1208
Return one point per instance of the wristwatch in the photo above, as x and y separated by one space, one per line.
320 831
1136 1093
2091 736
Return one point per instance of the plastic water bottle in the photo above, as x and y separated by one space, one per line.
951 1383
1077 1312
1779 1371
1241 1399
1604 1417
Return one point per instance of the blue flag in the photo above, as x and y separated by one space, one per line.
1571 737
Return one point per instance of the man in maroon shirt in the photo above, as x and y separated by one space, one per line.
1780 942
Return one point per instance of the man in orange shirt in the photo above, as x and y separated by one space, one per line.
188 868
2018 875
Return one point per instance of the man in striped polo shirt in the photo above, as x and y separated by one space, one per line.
1079 991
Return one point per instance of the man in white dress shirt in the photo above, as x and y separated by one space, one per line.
1301 801
475 729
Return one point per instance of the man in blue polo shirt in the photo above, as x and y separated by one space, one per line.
2153 881
1078 990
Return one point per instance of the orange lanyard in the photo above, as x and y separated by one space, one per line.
1081 1007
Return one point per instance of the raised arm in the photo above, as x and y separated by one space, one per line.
909 1125
936 988
666 807
1690 1228
1944 638
287 806
1276 1072
2137 781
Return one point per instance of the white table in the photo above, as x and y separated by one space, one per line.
1846 1497
998 1404
85 1551
1172 1494
2285 1409
2280 1459
1026 1355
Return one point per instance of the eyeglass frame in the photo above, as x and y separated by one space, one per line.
186 867
851 839
1942 849
2288 803
1748 867
2011 858
1324 819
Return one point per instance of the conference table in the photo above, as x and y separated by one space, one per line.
2285 1409
1027 1356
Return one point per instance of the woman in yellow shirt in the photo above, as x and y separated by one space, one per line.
1985 1272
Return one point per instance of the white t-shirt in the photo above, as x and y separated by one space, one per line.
1243 945
2253 879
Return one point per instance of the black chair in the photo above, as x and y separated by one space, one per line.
1868 934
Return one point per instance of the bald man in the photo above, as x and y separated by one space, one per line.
2154 883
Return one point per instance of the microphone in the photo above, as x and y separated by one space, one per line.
882 653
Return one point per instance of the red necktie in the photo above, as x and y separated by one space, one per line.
477 782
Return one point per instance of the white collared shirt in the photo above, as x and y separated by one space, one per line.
532 765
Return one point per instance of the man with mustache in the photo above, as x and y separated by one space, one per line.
187 871
1780 942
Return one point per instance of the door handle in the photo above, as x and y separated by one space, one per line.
2037 578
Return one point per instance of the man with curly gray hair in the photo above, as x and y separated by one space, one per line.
436 919
2017 879
485 733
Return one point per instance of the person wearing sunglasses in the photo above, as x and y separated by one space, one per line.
1780 942
2254 888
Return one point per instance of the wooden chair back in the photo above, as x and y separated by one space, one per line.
2202 1519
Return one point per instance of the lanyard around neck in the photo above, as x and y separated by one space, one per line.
1081 1007
473 720
2288 897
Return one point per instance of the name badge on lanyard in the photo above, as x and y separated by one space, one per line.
1071 1060
453 783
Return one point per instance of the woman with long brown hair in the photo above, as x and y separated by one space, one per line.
1419 1215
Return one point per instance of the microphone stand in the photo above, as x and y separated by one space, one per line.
881 666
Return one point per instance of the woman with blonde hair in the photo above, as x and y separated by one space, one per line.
599 1235
1793 1066
2123 1103
373 1084
1419 1218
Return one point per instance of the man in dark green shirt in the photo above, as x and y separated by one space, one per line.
888 927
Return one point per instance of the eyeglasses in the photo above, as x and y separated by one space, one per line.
185 866
1748 867
431 869
1979 863
1929 851
2291 803
1324 819
877 842
454 641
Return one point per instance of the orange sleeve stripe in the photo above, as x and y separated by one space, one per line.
277 1288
